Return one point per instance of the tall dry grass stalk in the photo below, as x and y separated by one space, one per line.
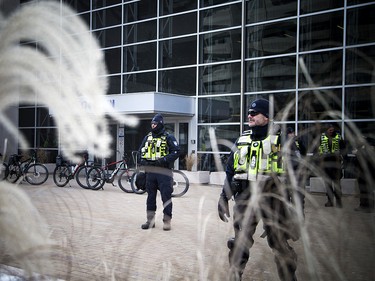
66 73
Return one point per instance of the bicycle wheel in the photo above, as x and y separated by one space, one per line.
14 173
95 178
180 183
81 176
61 175
4 171
133 185
36 174
124 181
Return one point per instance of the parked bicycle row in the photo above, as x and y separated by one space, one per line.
88 174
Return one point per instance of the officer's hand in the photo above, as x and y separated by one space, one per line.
223 208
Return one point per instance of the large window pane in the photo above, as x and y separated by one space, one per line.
360 65
360 25
44 119
207 3
360 102
325 69
271 39
139 10
139 32
222 17
173 52
140 57
107 17
178 81
114 85
262 10
176 6
271 74
223 78
46 138
139 82
322 31
77 5
208 162
178 25
109 37
366 129
223 134
309 6
104 3
221 46
112 60
354 2
219 109
320 105
26 117
29 135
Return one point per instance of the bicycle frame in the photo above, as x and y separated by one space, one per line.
30 170
109 177
67 170
26 164
101 175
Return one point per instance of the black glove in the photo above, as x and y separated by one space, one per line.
223 207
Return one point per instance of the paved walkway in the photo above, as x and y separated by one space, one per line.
98 237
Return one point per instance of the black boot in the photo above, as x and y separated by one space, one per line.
167 223
328 204
150 223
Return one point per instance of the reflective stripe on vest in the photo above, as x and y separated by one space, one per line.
324 144
154 148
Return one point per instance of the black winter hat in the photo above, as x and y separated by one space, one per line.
261 106
158 119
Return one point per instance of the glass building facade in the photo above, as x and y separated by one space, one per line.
313 58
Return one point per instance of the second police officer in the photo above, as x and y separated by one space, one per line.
158 151
253 178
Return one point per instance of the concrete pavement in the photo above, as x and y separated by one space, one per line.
97 236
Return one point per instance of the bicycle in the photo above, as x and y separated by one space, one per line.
98 176
66 171
180 182
33 172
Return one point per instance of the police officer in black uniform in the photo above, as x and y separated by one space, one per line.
332 156
253 178
158 151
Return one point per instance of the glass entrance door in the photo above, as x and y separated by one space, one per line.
181 133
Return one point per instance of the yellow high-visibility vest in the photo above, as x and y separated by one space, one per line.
324 144
257 157
154 148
